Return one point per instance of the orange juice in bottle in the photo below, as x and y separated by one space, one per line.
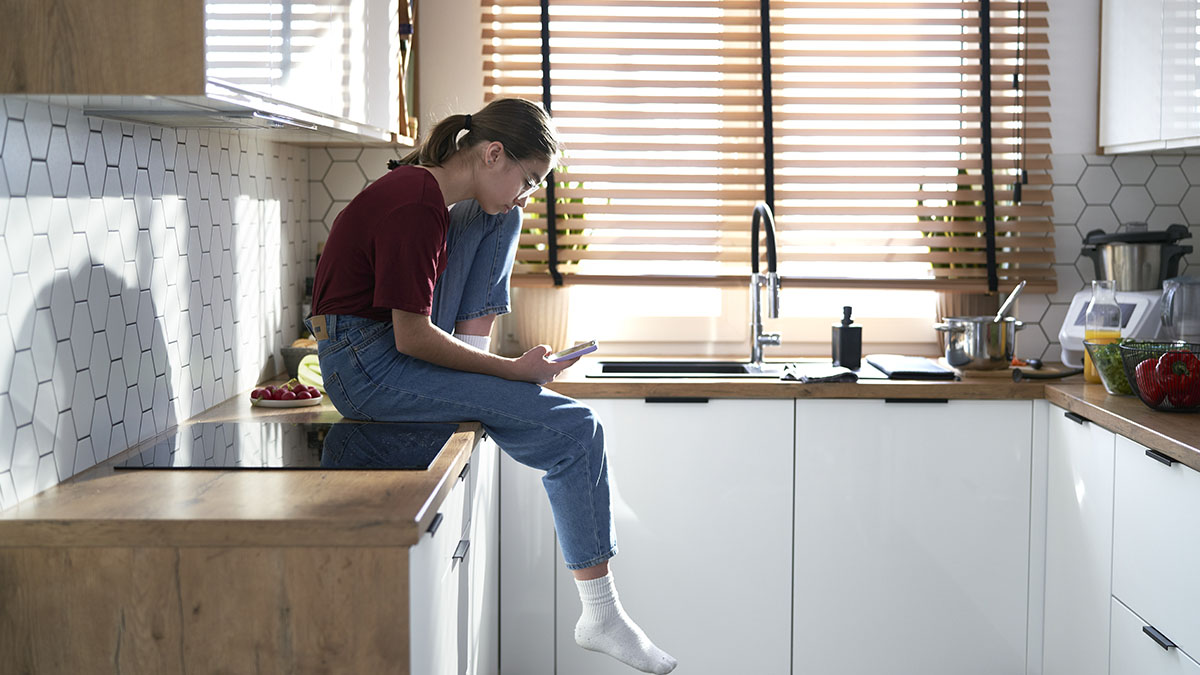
1100 337
1102 323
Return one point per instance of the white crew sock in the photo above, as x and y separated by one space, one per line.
480 342
605 627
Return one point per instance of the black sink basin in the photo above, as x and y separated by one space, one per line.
687 369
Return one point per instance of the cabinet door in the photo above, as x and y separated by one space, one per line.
483 565
912 537
1131 72
702 496
1134 652
435 584
1079 512
1156 543
1180 73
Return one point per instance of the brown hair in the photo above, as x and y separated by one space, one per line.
522 126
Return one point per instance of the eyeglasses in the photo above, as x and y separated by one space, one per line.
531 185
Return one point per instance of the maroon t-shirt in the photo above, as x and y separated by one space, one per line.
386 249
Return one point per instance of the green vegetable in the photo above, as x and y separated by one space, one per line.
309 372
1107 359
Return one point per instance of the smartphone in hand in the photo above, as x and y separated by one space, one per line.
573 352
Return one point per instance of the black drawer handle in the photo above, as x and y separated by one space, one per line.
433 527
463 474
1158 637
1160 457
676 399
1078 419
916 400
460 552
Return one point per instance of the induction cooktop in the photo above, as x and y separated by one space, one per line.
303 446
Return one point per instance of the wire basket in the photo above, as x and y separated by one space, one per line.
1164 375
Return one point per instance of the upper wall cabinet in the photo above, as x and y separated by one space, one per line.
1149 76
315 70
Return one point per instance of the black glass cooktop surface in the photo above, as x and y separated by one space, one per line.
283 445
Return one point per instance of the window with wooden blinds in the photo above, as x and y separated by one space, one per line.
878 139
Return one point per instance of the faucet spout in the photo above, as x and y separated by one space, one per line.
769 280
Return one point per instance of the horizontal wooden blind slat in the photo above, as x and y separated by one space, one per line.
877 137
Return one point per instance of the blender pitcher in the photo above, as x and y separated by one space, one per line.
1181 309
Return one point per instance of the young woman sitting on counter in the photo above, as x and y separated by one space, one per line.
400 263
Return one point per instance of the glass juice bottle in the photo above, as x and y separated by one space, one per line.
1102 323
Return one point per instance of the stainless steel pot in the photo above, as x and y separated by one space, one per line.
980 342
1137 259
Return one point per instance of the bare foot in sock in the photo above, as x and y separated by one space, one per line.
605 627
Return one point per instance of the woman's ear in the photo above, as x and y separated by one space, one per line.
492 152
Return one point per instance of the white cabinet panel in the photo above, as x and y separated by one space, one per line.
1078 546
1131 72
483 564
912 537
1156 543
434 592
1135 653
702 496
1180 73
528 566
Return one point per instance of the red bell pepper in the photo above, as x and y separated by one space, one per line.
1179 373
1148 383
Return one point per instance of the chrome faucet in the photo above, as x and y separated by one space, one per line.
770 280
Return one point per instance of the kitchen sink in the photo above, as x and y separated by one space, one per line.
672 368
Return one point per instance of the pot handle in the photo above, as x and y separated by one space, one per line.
947 328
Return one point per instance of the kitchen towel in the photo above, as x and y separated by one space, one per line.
900 367
817 372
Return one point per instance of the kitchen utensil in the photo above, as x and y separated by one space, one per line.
1012 297
980 342
1181 309
1106 360
1140 320
1018 374
1138 260
1164 375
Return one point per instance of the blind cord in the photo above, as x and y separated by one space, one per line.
768 104
551 214
985 105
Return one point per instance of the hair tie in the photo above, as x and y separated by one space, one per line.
467 123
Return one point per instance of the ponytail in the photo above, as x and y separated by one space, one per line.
522 126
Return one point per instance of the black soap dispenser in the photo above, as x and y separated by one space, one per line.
847 343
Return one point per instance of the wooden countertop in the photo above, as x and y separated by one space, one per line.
389 508
233 508
575 382
1176 435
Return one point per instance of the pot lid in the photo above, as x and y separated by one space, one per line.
1136 233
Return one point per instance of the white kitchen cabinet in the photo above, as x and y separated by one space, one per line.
1156 542
1079 517
912 537
701 496
1148 75
1134 652
316 71
454 576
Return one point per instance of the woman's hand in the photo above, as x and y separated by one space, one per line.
532 366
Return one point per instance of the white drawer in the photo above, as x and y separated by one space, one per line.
1134 652
1156 543
435 589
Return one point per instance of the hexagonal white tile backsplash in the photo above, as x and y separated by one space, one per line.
146 274
150 273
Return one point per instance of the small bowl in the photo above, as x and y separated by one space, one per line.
1164 390
1106 358
292 357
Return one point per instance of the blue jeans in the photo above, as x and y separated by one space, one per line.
366 378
